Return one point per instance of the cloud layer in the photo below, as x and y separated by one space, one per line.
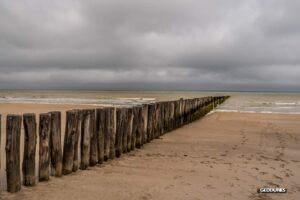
134 44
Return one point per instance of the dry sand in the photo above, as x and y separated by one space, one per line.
222 156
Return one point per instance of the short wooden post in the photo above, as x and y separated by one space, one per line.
77 139
129 126
119 131
172 114
55 144
85 139
126 131
183 112
30 136
44 151
93 139
166 117
180 111
141 125
100 120
106 133
13 132
69 141
177 116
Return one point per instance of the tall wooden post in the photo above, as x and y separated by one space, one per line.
28 166
106 133
55 144
119 131
151 118
145 122
136 126
69 141
77 139
141 126
93 139
100 120
13 132
85 139
44 151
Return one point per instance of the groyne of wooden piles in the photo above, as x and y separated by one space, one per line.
92 136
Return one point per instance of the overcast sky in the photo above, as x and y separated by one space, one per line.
147 44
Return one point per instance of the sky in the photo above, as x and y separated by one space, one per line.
243 45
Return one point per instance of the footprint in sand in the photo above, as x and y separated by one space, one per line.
278 177
270 183
257 169
209 187
263 173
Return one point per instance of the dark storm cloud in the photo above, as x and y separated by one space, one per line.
134 44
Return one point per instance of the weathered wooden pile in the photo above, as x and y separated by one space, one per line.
102 133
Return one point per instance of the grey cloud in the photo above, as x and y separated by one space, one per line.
192 44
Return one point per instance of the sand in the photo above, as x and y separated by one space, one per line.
222 156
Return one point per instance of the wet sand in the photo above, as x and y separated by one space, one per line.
222 156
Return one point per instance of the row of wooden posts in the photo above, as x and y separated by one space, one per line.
102 133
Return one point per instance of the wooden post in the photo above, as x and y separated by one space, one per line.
151 115
126 130
100 120
44 151
145 122
136 126
180 111
13 132
106 133
77 138
175 118
162 115
119 131
166 116
184 112
112 132
129 126
85 139
93 139
28 165
157 119
172 114
69 141
55 144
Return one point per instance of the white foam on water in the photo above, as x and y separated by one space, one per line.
280 103
80 101
262 112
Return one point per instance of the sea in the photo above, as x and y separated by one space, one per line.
250 102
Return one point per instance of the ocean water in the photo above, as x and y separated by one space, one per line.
287 103
282 103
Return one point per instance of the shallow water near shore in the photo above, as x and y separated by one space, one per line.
256 102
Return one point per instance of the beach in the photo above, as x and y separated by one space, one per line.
222 156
